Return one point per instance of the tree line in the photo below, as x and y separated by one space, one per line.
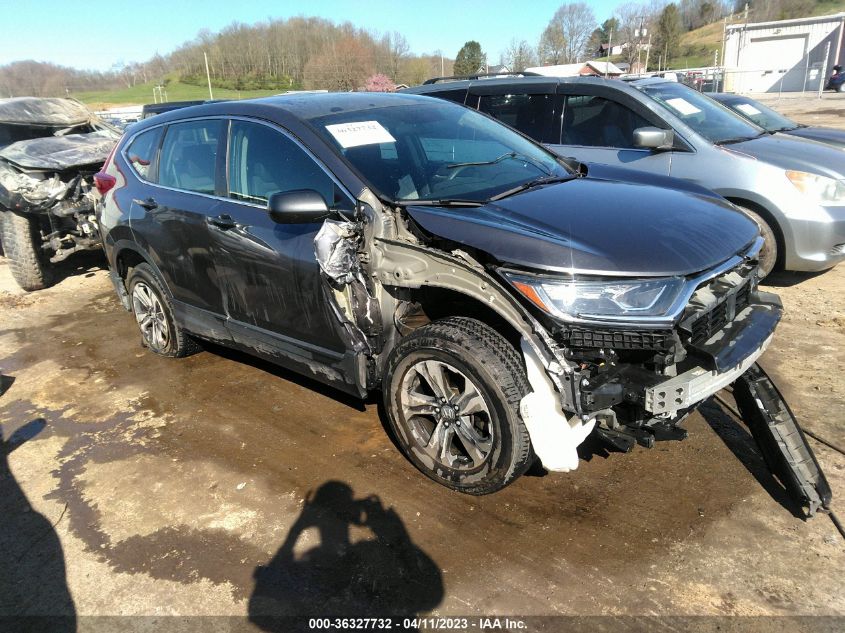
574 35
315 53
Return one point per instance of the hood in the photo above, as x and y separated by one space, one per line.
37 111
828 135
791 152
61 152
595 226
636 176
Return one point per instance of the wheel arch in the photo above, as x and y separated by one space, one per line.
770 219
127 255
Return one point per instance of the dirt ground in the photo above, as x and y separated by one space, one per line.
133 485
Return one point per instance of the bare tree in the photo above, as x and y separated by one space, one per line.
576 21
519 56
343 66
635 22
552 46
396 49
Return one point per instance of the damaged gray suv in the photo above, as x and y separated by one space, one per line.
506 302
50 150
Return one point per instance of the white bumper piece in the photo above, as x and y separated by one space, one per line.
554 438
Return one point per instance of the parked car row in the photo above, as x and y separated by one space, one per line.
506 301
794 189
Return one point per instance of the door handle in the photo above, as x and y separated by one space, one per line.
223 221
149 203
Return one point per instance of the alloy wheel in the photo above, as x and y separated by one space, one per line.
150 316
446 415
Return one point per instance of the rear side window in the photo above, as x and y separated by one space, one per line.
189 156
263 161
598 122
141 151
533 115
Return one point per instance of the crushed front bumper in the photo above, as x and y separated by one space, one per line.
724 358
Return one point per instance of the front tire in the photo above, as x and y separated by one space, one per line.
452 390
154 314
21 241
769 253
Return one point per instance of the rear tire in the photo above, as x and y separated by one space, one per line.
154 314
769 253
21 243
452 391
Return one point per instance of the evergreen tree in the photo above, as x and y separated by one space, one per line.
470 59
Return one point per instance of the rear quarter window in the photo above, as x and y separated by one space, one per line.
140 152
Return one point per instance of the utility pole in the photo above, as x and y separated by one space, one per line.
207 75
609 49
647 53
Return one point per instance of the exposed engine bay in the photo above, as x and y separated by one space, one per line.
50 150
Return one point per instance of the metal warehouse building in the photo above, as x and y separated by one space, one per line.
788 55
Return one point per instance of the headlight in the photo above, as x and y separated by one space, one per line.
610 299
823 190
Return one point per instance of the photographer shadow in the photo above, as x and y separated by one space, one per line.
34 595
385 575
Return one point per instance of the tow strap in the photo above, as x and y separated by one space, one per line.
777 433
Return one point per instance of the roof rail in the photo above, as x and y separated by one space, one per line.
524 73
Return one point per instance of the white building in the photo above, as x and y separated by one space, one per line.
787 55
582 69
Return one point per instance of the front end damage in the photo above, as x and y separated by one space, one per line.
50 150
62 201
626 383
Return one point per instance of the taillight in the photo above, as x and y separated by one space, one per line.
104 182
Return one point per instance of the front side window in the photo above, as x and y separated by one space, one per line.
712 120
530 114
141 151
436 151
189 156
263 161
598 122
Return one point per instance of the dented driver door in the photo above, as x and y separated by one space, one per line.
274 297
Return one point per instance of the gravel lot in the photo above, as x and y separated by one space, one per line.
219 485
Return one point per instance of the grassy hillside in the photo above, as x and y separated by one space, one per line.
176 91
697 46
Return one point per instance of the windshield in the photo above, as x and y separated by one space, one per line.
763 116
436 151
711 120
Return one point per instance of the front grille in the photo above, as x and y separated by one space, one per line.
839 249
716 303
619 340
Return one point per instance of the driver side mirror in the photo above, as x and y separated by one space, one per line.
297 207
654 138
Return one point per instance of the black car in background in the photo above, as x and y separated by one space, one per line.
772 121
506 301
152 109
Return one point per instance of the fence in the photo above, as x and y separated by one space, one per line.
809 77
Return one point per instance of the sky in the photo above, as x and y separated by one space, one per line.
96 35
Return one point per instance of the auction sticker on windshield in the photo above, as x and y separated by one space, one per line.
360 133
682 105
747 108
